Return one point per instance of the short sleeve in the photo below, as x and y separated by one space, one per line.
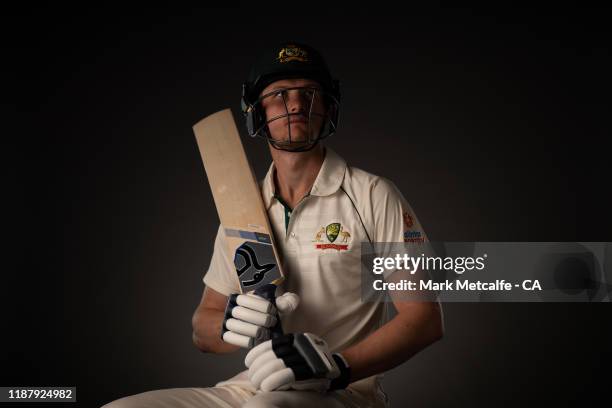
396 222
221 271
394 219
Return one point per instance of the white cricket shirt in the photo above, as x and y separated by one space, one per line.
320 247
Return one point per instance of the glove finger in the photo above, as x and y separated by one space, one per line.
277 380
253 316
261 361
265 370
280 345
287 302
256 303
256 352
242 327
290 360
237 339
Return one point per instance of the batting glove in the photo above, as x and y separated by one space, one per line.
249 319
297 361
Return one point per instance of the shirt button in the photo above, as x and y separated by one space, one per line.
293 235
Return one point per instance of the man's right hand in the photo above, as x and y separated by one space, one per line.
248 318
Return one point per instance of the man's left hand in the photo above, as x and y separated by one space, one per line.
300 361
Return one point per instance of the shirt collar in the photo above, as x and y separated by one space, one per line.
328 180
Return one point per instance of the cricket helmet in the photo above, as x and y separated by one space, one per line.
290 60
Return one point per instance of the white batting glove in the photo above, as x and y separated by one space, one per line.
248 318
300 361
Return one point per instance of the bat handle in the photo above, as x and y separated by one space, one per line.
268 292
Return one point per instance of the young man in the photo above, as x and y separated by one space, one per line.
320 210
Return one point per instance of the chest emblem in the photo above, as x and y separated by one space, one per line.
326 236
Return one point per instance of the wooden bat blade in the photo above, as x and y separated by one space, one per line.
238 200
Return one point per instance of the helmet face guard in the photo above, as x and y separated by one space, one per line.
320 124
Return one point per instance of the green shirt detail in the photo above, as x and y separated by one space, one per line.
287 210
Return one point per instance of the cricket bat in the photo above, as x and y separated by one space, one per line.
240 207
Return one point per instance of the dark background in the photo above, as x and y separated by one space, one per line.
493 123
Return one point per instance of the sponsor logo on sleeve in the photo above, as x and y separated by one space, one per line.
408 220
411 235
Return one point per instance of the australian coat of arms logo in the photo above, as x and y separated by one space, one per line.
292 53
333 236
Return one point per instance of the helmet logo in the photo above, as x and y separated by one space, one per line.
292 53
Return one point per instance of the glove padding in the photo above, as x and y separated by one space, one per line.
248 318
299 361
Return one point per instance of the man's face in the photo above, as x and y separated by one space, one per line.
298 103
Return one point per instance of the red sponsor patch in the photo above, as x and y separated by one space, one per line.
408 220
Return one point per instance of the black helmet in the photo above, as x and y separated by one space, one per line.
287 61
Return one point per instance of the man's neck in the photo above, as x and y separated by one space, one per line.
296 172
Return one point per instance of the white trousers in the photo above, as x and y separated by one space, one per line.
239 392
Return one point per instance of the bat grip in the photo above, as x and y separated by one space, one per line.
268 292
